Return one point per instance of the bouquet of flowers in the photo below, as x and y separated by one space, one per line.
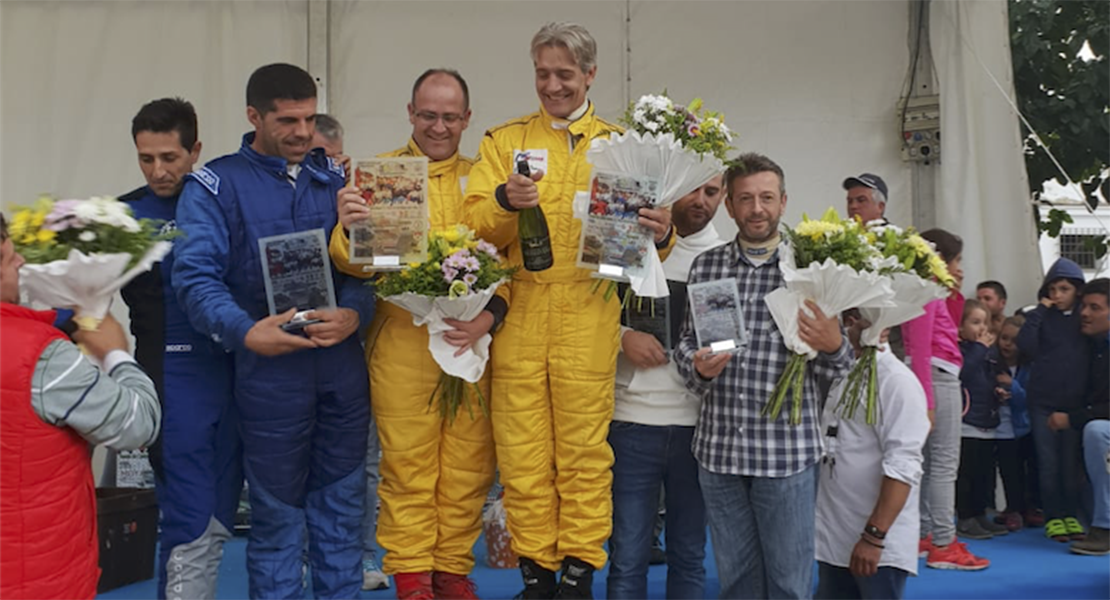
832 263
682 146
79 253
917 276
457 280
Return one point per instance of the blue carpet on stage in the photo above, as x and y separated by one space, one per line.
1023 565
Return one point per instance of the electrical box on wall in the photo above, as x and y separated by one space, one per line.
920 119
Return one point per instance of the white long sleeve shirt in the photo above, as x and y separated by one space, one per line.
658 396
857 459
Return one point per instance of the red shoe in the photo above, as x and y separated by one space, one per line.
955 556
449 586
924 545
1034 518
1011 519
414 586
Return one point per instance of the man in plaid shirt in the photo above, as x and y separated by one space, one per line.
758 476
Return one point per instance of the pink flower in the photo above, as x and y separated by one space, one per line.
470 279
488 248
449 273
63 216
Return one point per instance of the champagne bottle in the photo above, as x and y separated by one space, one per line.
535 240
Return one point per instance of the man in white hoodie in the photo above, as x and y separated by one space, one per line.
653 424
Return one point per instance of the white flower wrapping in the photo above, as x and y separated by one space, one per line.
911 294
85 282
432 311
680 171
833 287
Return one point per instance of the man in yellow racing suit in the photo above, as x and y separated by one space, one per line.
554 360
435 473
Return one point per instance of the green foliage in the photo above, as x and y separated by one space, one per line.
1065 97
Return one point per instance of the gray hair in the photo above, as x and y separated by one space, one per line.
571 36
877 196
329 127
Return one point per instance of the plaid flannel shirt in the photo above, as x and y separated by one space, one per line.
732 437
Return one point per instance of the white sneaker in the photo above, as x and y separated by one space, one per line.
372 576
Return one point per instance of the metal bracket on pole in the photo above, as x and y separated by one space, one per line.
318 51
923 173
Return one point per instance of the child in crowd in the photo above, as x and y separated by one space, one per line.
1012 442
980 418
1058 352
933 354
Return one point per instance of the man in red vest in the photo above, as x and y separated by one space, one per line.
54 402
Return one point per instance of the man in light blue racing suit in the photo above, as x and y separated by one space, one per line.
197 460
302 399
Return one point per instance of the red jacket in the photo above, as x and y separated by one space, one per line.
48 540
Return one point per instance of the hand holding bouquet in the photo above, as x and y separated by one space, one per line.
832 263
79 253
918 275
681 146
457 280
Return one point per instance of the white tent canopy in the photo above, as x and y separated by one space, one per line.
813 84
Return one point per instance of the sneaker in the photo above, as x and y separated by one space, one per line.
955 556
972 529
924 545
1075 530
449 586
1096 544
577 581
539 583
372 576
1057 530
1033 517
414 586
992 527
1011 519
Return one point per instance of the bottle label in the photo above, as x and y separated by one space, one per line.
537 252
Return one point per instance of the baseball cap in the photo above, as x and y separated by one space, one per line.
868 180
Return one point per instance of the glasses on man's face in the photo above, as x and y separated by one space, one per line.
429 118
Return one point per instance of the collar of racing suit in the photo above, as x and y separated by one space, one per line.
438 167
278 165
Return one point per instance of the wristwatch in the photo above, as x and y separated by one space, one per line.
874 532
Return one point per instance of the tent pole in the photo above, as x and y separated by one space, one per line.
318 57
923 174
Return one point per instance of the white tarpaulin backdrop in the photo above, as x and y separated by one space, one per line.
813 84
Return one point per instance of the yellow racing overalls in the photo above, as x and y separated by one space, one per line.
554 360
435 474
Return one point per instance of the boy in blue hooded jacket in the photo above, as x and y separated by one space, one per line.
1051 338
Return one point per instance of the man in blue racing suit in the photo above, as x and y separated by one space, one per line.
302 400
197 459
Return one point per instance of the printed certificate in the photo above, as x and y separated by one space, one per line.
718 320
396 233
297 271
613 242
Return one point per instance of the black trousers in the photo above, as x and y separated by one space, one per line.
974 482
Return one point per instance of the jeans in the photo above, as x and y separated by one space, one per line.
942 461
370 517
1096 453
645 457
837 583
763 532
1058 459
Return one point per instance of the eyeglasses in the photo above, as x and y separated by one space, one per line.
429 118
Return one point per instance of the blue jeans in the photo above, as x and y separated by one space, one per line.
645 457
1058 460
837 583
1096 446
763 530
